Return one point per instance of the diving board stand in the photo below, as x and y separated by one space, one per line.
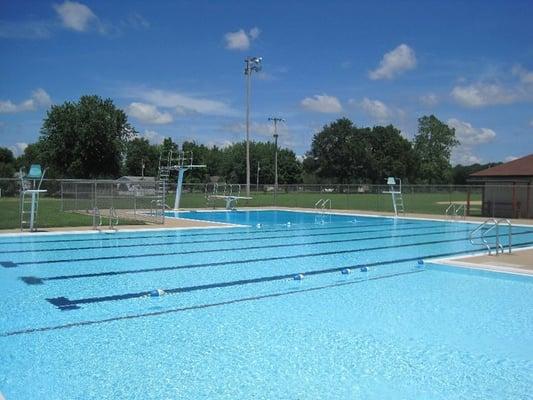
396 194
181 162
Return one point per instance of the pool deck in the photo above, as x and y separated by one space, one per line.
520 261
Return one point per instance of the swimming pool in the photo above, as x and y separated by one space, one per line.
77 319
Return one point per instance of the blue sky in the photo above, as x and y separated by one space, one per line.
176 67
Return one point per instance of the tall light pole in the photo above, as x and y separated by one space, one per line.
257 184
253 64
276 120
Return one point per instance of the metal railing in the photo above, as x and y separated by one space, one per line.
455 209
97 217
489 225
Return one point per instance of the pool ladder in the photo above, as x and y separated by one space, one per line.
323 204
478 237
113 219
97 219
455 209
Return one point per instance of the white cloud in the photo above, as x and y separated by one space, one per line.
18 148
148 113
468 135
241 40
39 99
377 109
254 33
393 63
510 158
153 137
464 156
524 75
182 104
322 103
429 100
75 16
483 94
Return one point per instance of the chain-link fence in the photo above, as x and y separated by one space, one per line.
72 202
86 202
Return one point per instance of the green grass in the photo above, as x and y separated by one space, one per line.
426 203
50 214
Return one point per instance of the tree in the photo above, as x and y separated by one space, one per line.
339 153
85 139
7 163
139 151
392 155
433 145
460 172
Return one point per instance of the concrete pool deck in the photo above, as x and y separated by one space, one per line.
520 261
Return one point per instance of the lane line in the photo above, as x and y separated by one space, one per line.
64 303
200 306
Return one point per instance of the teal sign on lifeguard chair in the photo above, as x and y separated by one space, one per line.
30 189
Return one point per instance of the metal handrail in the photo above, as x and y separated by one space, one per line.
113 218
461 207
482 237
96 214
325 203
495 226
509 233
318 203
450 207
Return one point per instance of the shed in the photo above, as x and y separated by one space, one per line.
506 189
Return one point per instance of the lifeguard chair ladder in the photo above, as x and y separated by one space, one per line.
30 189
397 198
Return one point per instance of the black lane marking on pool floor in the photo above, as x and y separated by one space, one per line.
208 305
63 303
34 280
242 231
216 241
174 253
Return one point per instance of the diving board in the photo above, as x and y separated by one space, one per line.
231 201
229 192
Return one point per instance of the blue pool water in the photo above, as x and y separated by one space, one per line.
77 320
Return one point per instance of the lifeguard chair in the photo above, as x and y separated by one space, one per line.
30 189
395 190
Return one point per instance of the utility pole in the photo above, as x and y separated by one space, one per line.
276 120
257 184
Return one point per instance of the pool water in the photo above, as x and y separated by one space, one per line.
77 320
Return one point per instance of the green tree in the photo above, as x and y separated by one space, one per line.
339 153
85 139
433 145
7 163
392 155
139 151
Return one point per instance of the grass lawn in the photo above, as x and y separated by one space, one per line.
50 215
427 203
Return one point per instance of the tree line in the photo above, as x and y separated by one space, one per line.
92 138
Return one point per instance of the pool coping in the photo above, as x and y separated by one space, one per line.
462 261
